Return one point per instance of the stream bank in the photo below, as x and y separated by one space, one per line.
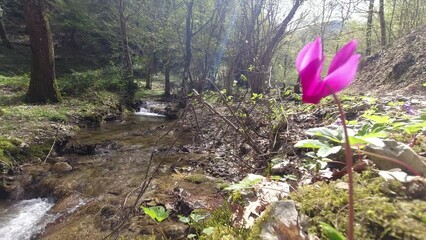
94 179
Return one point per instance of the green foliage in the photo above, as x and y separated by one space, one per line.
255 97
9 147
330 232
157 213
78 83
218 225
379 215
247 183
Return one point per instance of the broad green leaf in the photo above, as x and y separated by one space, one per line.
327 151
247 182
362 140
414 127
330 232
158 213
311 143
380 119
208 231
324 132
184 219
197 217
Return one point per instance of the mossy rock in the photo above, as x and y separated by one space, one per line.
382 211
8 147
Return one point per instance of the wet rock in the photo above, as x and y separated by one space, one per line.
11 187
61 167
176 230
281 221
396 150
280 168
416 188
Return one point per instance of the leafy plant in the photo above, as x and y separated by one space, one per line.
330 141
247 183
330 232
157 213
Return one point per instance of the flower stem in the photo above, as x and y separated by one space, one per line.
348 156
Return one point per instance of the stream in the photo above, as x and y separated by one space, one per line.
90 196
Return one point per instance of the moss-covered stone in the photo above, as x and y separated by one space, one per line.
381 209
8 148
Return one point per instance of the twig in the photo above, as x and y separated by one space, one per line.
243 129
50 151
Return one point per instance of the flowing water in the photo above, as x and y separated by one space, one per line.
90 194
22 219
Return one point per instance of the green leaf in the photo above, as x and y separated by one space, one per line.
414 127
197 217
379 119
208 231
157 213
311 143
327 133
247 182
327 151
184 219
330 232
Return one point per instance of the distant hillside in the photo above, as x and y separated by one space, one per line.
399 68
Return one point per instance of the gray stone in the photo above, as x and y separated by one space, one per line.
61 167
280 168
399 151
281 222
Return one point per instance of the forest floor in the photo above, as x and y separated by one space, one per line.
269 128
244 137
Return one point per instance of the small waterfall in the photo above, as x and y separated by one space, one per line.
23 219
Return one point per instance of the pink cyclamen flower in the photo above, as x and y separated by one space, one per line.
341 73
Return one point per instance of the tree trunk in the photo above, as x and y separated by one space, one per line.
382 23
369 27
167 80
148 79
126 58
257 79
188 50
43 86
3 35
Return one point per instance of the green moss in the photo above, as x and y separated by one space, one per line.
220 225
379 214
257 227
197 178
39 150
9 147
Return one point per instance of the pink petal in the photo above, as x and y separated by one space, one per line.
310 76
310 52
313 96
342 56
310 79
341 77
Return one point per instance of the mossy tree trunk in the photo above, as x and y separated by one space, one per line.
43 86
